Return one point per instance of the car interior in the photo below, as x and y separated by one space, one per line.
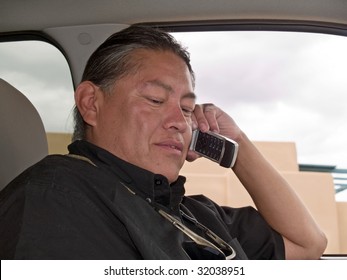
77 28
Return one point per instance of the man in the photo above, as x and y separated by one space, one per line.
118 194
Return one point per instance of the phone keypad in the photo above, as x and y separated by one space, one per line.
209 145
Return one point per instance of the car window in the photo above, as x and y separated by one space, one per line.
279 86
40 71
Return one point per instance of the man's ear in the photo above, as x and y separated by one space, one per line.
86 101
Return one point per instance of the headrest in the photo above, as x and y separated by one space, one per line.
23 139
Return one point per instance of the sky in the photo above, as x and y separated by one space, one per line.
41 72
277 86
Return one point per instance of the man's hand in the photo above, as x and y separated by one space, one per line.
208 117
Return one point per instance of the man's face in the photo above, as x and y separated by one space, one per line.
147 119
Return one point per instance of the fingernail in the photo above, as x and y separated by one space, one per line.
203 127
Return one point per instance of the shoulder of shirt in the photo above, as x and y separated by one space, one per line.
53 172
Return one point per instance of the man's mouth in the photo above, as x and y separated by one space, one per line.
173 145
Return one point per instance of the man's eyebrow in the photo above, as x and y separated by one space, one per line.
168 88
190 95
160 84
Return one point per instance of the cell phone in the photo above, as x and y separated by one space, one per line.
215 147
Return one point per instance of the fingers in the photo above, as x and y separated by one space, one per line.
209 117
205 117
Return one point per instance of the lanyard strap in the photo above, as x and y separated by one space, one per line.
191 234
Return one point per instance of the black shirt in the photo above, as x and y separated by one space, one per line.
93 205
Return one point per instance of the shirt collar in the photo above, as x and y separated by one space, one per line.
152 187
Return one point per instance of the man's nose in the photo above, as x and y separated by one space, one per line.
175 119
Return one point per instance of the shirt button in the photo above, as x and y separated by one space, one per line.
158 182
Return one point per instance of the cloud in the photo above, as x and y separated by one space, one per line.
278 86
41 72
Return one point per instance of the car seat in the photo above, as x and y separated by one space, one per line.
23 139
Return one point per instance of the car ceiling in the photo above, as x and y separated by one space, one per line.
78 27
18 15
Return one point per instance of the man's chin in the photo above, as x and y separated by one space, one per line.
167 168
171 176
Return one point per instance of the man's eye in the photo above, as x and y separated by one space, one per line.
155 101
187 111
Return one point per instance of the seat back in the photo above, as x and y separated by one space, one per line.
23 139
